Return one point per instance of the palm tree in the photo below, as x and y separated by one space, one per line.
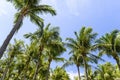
91 74
46 39
26 8
105 72
13 50
59 74
36 40
83 45
53 50
109 44
77 60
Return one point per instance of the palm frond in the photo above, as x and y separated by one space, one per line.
68 63
58 59
17 3
43 9
36 19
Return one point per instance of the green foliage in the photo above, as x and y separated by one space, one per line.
110 45
106 71
31 8
59 74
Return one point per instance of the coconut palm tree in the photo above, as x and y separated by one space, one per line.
13 50
54 49
59 74
77 60
82 45
105 72
47 39
37 46
109 44
26 8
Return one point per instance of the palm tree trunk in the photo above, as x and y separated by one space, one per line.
5 72
38 63
48 73
37 66
117 61
9 37
36 71
86 72
78 72
7 67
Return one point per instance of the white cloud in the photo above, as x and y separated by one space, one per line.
73 74
50 2
5 7
73 6
76 6
2 9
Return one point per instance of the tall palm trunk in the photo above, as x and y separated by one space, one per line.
9 37
117 61
48 73
5 72
39 62
78 73
86 72
7 67
36 71
37 66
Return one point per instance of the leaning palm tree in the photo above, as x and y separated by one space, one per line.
109 44
82 45
26 8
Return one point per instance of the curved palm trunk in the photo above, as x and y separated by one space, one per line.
78 73
48 73
86 72
117 61
9 37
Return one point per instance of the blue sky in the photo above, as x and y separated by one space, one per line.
102 15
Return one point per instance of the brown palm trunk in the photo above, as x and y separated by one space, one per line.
36 71
5 72
9 37
48 73
117 61
78 73
37 66
39 63
86 72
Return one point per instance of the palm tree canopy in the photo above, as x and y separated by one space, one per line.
83 42
109 43
26 8
31 9
59 74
